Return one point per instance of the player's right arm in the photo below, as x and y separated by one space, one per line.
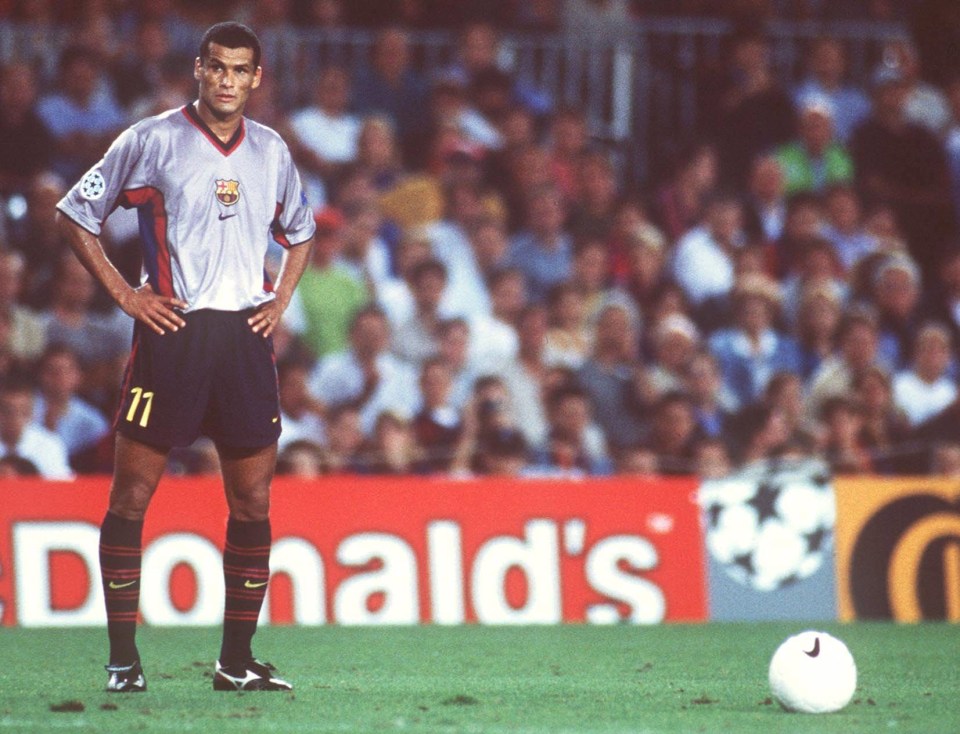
157 312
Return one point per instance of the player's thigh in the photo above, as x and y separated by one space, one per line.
138 468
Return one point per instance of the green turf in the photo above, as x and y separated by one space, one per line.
636 680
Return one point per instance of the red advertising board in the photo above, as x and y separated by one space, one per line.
375 551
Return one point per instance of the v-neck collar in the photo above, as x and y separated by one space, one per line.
190 112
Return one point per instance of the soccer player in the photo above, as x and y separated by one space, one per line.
210 187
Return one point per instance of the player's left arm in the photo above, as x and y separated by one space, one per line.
294 263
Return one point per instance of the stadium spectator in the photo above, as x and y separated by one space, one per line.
26 144
328 296
608 376
703 261
543 250
675 339
301 459
845 226
826 79
568 337
493 339
857 338
58 407
301 417
98 339
805 218
83 115
389 85
815 160
36 236
392 449
765 204
344 438
597 197
571 425
525 375
450 240
785 395
590 273
364 255
755 114
378 152
815 265
681 202
885 427
366 373
417 339
926 388
843 443
490 246
567 141
325 134
752 350
437 426
139 74
713 404
896 288
711 459
902 165
23 438
818 321
926 104
502 453
646 273
27 331
454 350
673 433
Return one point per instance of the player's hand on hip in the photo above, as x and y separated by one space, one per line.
265 319
156 311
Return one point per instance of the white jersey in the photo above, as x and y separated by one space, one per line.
206 208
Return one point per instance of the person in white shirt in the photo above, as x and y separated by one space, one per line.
367 374
323 136
299 413
21 436
926 388
57 406
703 262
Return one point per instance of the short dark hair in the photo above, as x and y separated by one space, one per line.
231 35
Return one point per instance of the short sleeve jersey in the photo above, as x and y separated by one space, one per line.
207 209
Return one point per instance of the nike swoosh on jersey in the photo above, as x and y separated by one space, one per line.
223 216
254 584
115 585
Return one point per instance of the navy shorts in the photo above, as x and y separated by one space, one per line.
213 377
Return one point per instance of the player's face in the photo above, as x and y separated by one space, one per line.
226 76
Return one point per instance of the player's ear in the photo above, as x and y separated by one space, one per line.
197 67
257 75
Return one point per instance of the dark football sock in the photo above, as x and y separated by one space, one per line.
246 571
120 573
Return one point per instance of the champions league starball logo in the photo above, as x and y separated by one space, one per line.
771 524
93 185
228 191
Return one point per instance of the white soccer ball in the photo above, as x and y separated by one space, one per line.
813 673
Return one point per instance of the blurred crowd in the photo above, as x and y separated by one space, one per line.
491 291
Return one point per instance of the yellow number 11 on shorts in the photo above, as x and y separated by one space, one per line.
135 403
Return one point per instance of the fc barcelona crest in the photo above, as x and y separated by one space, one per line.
228 192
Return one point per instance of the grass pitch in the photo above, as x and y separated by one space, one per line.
480 680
